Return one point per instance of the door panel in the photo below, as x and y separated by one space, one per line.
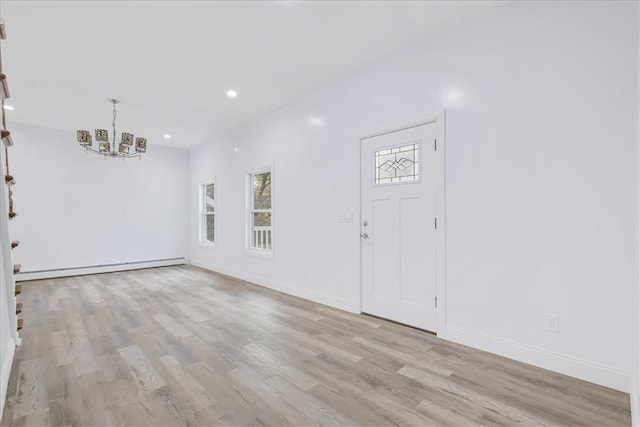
412 254
399 241
383 280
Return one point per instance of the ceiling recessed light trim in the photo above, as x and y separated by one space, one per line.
316 121
232 93
166 136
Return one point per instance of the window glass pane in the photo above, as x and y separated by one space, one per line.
262 219
262 190
209 198
398 164
210 228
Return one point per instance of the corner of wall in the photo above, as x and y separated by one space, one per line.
5 370
568 365
635 404
635 380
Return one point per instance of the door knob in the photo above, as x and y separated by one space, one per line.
364 235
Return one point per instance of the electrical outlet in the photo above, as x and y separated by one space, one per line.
551 322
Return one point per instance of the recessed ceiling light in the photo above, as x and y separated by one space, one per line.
232 93
315 121
166 136
8 107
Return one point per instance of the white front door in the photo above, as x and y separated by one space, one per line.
398 226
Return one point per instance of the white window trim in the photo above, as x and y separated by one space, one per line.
202 214
249 250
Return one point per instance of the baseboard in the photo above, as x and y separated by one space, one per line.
7 361
568 365
95 269
297 291
564 364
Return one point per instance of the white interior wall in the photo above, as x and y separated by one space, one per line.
635 339
540 181
7 343
635 380
77 210
8 320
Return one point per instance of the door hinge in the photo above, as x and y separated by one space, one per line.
435 223
435 302
435 145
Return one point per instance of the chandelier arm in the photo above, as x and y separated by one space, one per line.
111 153
84 138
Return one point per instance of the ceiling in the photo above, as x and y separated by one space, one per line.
172 62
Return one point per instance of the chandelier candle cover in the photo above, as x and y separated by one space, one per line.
106 148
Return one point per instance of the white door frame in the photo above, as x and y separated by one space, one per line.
439 120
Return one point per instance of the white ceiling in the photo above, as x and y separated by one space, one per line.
171 62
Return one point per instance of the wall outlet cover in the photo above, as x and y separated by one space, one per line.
551 322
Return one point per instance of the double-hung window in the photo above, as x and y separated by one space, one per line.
260 211
208 213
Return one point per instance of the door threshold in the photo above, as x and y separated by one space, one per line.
399 323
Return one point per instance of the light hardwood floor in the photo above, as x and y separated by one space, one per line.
183 346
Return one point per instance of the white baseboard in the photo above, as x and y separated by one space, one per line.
308 294
5 371
557 362
95 269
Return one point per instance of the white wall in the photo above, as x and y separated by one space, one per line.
78 210
7 339
541 188
8 320
635 381
635 339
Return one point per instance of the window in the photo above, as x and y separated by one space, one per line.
208 213
397 164
260 210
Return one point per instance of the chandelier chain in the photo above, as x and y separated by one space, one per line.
113 124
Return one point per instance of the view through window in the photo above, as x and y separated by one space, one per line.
260 211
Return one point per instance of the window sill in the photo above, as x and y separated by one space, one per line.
208 245
259 253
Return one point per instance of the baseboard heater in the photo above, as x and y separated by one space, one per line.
95 269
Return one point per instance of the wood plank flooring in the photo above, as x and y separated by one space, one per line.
183 346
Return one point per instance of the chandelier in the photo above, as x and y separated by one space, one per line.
120 150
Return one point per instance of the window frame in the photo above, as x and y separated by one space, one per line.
249 248
202 214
